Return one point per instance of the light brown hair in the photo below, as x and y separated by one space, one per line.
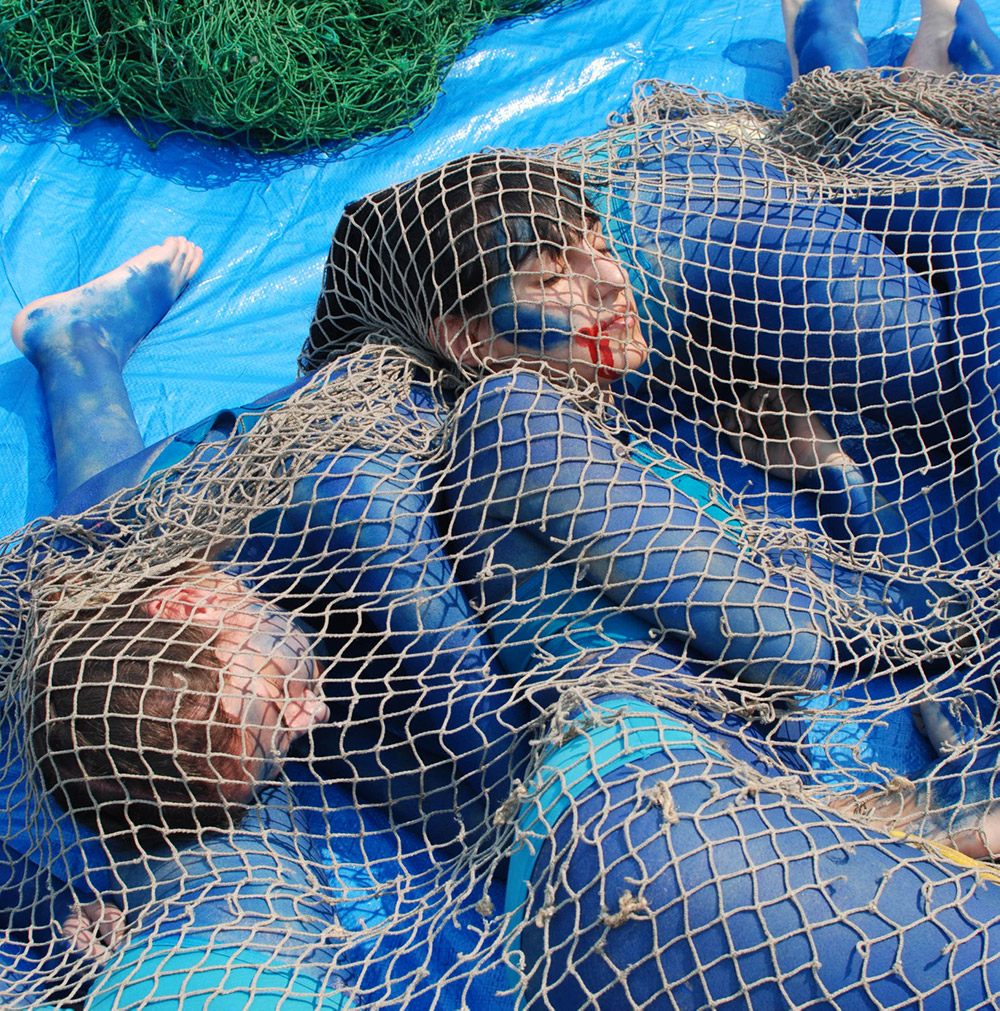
125 721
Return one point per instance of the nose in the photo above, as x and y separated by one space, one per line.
611 269
608 274
301 712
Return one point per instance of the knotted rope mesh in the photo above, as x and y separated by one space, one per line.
272 77
590 722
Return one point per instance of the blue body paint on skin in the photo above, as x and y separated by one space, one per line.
526 325
973 47
827 35
80 340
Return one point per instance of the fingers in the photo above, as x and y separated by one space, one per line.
774 427
729 420
760 398
758 416
885 808
95 929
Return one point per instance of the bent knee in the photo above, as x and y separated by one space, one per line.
514 392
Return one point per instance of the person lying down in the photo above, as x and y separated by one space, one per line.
267 665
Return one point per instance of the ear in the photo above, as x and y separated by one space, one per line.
459 339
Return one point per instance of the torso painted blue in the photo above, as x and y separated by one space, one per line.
744 280
768 286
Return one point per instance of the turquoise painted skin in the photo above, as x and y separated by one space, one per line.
258 885
252 884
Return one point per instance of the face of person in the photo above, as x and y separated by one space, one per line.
573 308
271 683
270 676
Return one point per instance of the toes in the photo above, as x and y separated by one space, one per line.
197 257
176 247
185 257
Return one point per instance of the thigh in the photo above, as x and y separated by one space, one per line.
681 879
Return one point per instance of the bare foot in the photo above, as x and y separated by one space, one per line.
774 429
789 12
823 33
113 312
929 50
954 36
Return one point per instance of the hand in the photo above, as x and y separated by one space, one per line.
893 808
95 929
774 429
908 809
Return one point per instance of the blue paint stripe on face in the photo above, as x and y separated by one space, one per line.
527 325
523 328
529 329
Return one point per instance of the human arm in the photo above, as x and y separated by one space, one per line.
359 535
775 429
528 469
955 803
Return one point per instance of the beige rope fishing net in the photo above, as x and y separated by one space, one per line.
603 696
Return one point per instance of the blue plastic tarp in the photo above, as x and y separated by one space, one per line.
78 201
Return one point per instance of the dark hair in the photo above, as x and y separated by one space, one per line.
125 722
405 256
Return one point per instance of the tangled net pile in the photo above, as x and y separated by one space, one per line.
658 891
270 76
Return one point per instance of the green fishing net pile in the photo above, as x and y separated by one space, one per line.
270 74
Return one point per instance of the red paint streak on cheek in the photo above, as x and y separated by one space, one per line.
591 345
599 349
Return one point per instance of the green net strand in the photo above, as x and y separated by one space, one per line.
271 75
